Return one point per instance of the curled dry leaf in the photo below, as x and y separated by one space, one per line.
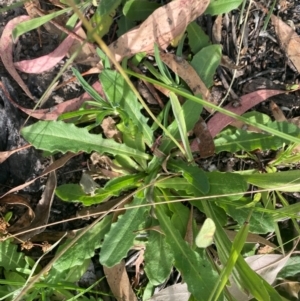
6 50
110 130
42 210
181 67
87 54
206 146
46 62
26 218
277 112
119 283
7 154
54 112
161 27
55 165
288 40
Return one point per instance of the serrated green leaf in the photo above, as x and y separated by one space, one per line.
206 61
233 140
260 222
283 181
139 10
196 268
55 136
198 39
158 258
218 7
82 250
10 258
122 233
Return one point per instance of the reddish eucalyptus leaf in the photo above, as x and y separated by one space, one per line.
53 113
46 62
219 121
6 48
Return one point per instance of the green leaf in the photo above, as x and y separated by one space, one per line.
74 192
242 273
106 7
101 24
218 7
180 217
260 222
82 250
139 10
206 61
196 269
198 39
233 139
37 22
206 234
55 136
124 25
10 258
288 181
120 95
291 268
191 112
158 258
193 174
180 120
122 233
88 88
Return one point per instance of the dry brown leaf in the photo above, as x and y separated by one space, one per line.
277 112
139 261
42 210
204 140
217 30
189 234
188 74
161 27
7 154
25 219
288 40
6 52
119 283
110 130
251 238
87 54
55 165
54 112
291 287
